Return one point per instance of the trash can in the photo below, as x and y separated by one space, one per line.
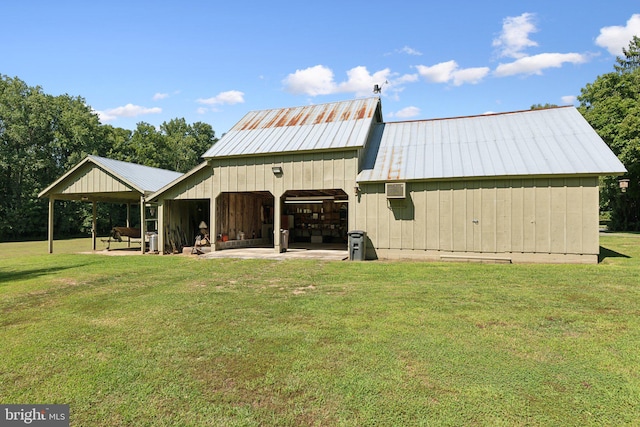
153 242
284 240
357 245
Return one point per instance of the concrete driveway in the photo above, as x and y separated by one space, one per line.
309 251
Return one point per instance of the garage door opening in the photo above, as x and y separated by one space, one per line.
244 219
316 217
183 219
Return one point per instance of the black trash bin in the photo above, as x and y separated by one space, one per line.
284 240
357 245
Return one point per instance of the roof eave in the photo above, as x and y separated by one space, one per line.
158 193
480 177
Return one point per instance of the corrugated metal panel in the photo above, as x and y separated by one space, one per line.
313 127
537 142
144 178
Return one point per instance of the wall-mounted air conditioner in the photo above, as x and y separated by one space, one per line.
395 190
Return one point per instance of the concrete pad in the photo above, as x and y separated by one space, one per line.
320 252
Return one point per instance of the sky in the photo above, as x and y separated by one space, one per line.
212 61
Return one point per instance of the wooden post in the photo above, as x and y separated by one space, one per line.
213 229
94 224
277 211
160 208
50 227
143 225
128 223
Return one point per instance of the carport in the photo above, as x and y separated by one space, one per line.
98 179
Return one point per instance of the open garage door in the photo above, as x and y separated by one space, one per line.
244 219
315 217
183 219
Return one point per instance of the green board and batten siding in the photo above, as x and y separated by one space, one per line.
543 219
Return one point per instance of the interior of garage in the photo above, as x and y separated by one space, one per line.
311 217
245 216
315 216
183 219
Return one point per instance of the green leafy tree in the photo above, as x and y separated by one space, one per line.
149 147
43 136
186 143
611 105
118 141
542 107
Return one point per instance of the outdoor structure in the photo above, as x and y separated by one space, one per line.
514 187
97 179
511 187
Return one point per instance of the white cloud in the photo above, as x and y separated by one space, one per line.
319 80
439 73
313 81
128 110
158 96
569 99
361 82
536 63
449 71
410 51
202 110
514 37
469 75
407 113
407 78
229 97
616 37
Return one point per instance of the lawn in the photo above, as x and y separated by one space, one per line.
175 340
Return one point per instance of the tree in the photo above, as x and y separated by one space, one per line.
631 57
43 136
176 146
611 105
542 107
187 143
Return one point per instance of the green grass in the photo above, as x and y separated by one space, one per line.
150 340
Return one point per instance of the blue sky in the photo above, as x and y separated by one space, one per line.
214 61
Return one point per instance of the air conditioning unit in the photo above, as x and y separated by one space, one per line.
395 190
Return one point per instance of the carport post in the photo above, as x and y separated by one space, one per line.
128 222
160 228
143 226
50 227
94 224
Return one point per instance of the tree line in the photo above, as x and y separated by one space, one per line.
43 136
611 104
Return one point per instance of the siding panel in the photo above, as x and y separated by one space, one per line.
550 216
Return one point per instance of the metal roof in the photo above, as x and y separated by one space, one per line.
336 125
536 142
143 179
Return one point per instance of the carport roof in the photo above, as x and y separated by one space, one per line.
124 180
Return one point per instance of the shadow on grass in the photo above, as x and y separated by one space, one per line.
608 253
10 276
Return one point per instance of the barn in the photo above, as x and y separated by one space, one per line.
510 187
